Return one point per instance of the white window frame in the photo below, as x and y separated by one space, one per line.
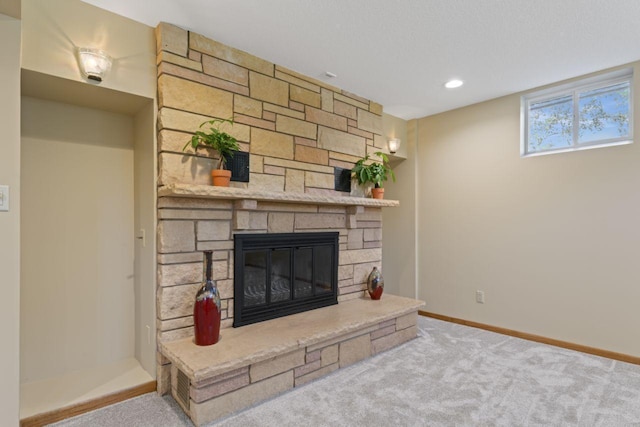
573 89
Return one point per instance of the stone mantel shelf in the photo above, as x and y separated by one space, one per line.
232 193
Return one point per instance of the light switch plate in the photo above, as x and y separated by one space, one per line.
4 198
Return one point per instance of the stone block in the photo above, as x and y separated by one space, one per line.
345 109
305 96
204 412
296 81
326 119
407 321
235 56
305 141
284 111
177 323
351 222
302 380
354 96
345 272
362 133
193 214
167 68
290 164
312 356
355 239
176 236
273 144
255 122
191 203
354 350
219 388
375 108
225 70
247 106
296 127
327 100
197 98
341 142
268 368
176 301
306 78
280 222
354 210
343 157
221 377
319 221
393 340
179 60
348 100
311 155
383 332
305 369
286 207
361 271
256 163
296 106
329 355
178 168
264 182
163 378
369 122
245 205
169 118
319 180
268 89
172 39
344 290
294 181
169 140
359 256
377 244
274 170
268 115
179 274
179 258
215 245
195 56
372 234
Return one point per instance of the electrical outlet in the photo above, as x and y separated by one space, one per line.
480 297
4 198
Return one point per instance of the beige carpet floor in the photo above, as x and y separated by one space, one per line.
451 375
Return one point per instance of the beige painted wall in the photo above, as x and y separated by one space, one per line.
399 224
77 295
10 221
552 240
53 29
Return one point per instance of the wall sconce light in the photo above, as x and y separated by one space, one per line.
94 63
394 144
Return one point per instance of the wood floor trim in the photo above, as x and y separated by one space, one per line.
537 338
90 405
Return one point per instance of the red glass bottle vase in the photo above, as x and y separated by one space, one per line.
375 284
206 311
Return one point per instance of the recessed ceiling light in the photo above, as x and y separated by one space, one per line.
452 84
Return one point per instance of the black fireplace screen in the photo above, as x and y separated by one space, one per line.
280 274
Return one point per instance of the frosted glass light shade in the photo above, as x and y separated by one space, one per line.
94 63
394 144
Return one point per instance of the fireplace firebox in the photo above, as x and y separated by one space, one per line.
280 274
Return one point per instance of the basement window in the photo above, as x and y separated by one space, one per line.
589 113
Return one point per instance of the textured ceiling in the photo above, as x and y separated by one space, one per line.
400 52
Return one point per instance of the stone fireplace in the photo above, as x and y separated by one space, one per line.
297 131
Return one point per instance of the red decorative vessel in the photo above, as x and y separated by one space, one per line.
206 311
375 284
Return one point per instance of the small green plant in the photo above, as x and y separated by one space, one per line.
220 141
375 172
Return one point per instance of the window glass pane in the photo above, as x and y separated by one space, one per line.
280 275
604 113
304 273
255 278
324 263
550 124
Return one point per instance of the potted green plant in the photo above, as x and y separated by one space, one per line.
220 141
366 171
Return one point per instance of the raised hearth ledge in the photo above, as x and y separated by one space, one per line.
240 347
232 193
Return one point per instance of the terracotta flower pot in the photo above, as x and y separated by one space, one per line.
221 177
377 193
